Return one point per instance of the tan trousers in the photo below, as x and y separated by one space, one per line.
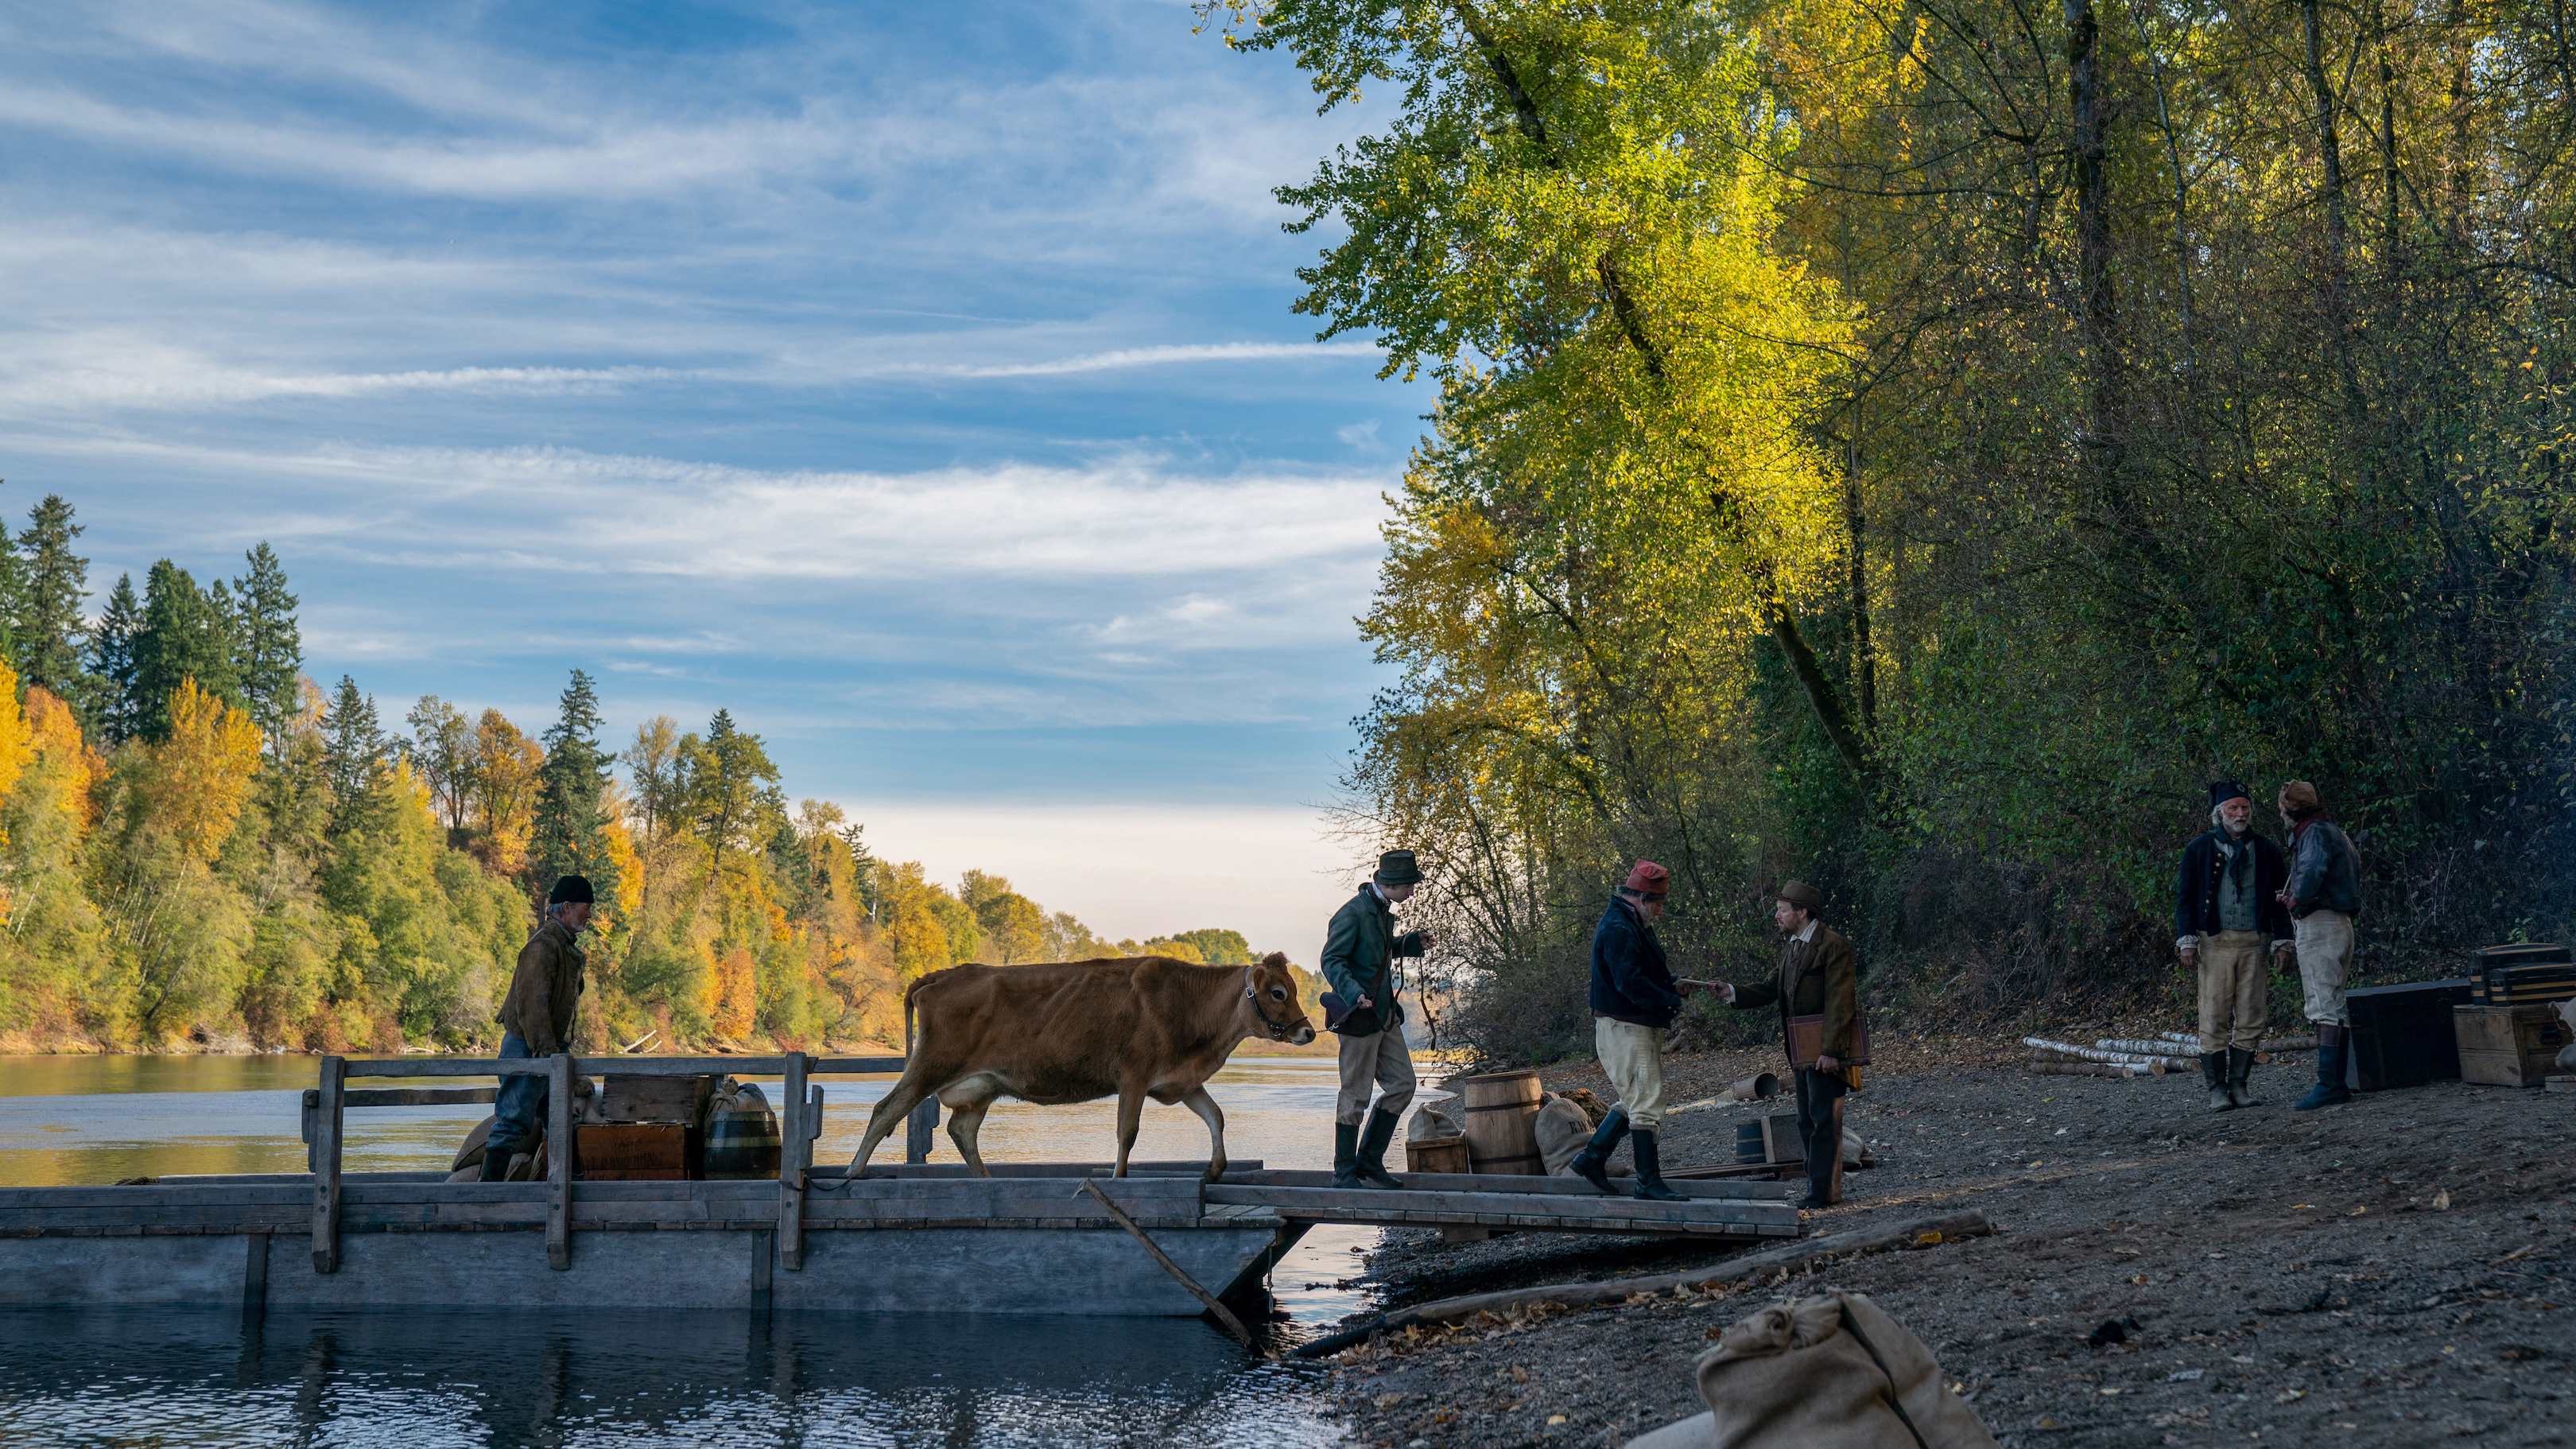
1632 1056
2325 964
2232 987
1383 1061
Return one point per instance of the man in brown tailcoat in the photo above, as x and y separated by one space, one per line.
1820 977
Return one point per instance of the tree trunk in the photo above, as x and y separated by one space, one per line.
2338 232
2093 252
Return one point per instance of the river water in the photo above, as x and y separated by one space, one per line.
419 1379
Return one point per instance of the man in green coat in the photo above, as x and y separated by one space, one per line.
1819 977
1359 964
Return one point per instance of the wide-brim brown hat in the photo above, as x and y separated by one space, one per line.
1800 894
1397 868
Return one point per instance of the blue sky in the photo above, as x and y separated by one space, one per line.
918 382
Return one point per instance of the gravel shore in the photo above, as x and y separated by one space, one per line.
2385 1273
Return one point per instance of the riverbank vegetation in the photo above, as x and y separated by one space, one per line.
1917 446
201 845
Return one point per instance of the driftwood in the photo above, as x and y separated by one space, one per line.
1921 1233
2087 1069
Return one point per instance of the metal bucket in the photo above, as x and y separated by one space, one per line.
742 1137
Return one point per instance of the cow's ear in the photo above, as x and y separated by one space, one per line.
1275 958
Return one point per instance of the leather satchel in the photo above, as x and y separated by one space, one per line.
1344 1019
1807 1041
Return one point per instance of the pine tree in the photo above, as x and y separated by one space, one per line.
574 779
186 634
109 698
13 597
268 649
54 584
353 746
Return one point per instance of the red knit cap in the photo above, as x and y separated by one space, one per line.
1646 877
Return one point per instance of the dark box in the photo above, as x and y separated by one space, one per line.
2402 1036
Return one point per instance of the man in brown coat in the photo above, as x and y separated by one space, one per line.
536 1020
1819 977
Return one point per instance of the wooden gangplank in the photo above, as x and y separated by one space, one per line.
1527 1204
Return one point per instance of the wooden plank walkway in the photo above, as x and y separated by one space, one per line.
1450 1200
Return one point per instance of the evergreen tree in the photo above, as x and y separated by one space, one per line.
112 688
353 752
268 650
54 582
572 782
186 634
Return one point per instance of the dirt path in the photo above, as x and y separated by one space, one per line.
2391 1272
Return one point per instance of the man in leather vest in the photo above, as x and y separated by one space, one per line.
536 1020
1819 977
1359 964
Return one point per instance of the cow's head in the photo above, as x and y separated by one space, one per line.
1271 987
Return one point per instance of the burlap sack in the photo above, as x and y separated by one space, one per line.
1828 1372
1436 1120
1563 1129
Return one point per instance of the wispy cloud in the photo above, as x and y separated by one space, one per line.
1130 357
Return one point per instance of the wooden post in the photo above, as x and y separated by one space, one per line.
326 1165
919 1129
312 1101
795 1150
559 1162
255 1275
760 1246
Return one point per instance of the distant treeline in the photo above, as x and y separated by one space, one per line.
202 844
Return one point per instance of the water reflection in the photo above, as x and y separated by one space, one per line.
423 1379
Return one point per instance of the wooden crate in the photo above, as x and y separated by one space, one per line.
1436 1154
633 1152
2508 1046
655 1099
2402 1036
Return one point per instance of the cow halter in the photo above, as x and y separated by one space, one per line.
1253 995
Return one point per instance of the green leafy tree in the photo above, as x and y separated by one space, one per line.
354 750
186 633
268 646
726 773
113 695
55 583
442 756
573 786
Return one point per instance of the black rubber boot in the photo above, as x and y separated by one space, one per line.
1592 1164
1346 1155
496 1165
2334 1043
2213 1070
1371 1161
2240 1065
1650 1168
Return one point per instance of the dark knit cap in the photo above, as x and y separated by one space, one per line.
2222 791
571 890
1396 868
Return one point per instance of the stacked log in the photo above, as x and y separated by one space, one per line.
2152 1065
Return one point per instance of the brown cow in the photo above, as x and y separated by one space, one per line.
1077 1031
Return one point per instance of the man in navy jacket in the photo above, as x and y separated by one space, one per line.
1634 1001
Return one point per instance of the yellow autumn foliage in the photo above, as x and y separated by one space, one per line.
204 770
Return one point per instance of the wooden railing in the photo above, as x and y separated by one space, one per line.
800 1121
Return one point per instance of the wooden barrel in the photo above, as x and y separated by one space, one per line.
742 1137
1502 1122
